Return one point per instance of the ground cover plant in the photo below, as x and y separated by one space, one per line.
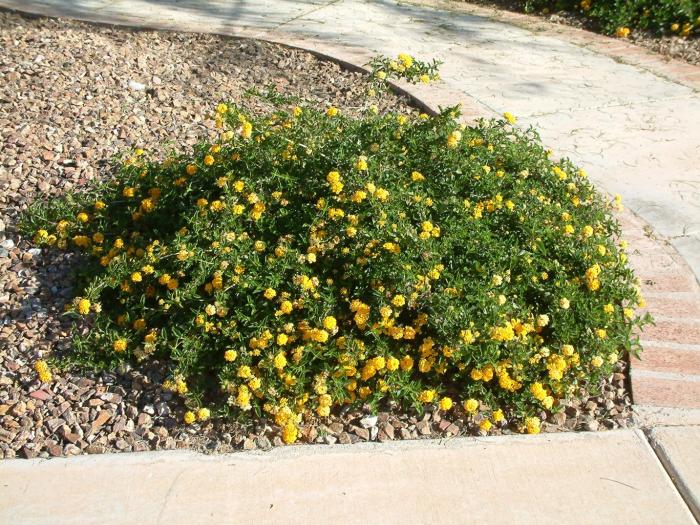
303 260
620 17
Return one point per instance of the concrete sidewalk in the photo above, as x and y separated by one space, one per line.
633 130
608 477
678 448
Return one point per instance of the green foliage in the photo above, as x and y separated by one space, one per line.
403 67
680 17
304 259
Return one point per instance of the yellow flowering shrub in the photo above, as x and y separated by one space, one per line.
304 260
621 17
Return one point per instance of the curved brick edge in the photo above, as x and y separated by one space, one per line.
623 51
668 375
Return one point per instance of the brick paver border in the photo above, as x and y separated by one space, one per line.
668 374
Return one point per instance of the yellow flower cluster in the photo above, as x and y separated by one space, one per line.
305 260
42 369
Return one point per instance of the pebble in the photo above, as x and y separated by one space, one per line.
95 448
362 433
18 409
388 430
263 443
310 433
336 427
71 450
591 426
405 433
369 421
559 418
101 419
140 446
41 394
423 427
444 424
452 430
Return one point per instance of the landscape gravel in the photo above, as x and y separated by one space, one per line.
73 95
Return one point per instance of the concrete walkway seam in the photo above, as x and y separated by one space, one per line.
691 499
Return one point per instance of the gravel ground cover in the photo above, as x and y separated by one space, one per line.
72 95
685 49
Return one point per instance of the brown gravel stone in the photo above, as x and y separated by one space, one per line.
423 427
18 409
144 420
405 433
559 419
444 425
29 452
41 394
388 430
452 430
55 450
360 432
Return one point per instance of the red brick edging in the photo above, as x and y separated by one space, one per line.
668 373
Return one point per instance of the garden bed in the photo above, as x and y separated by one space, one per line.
668 45
74 95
